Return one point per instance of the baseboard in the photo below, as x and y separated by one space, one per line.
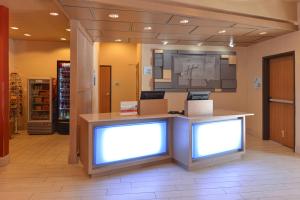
4 160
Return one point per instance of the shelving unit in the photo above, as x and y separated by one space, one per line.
63 97
16 98
40 106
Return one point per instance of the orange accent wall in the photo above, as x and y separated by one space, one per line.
4 108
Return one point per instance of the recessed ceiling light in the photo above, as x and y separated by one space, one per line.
14 28
262 33
118 40
165 42
222 31
184 21
68 29
199 44
113 15
27 34
53 14
63 39
148 28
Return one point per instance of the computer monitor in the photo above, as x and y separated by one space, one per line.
199 95
152 95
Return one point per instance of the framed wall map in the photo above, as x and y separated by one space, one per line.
194 70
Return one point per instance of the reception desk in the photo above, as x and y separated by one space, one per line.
112 143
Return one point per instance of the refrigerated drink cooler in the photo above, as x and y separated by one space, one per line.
40 106
63 97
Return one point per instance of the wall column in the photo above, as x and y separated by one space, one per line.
4 76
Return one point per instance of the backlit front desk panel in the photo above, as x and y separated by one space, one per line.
219 137
111 143
125 142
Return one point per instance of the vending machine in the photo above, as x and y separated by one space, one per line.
63 97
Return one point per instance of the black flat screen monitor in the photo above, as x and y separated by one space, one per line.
200 95
152 95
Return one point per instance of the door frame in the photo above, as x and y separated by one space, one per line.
266 90
99 90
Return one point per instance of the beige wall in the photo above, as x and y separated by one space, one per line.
253 58
123 59
233 101
36 59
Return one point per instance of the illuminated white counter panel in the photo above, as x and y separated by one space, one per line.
111 145
205 142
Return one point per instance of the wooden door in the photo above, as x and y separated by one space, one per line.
105 89
281 100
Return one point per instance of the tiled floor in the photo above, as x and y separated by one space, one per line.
39 170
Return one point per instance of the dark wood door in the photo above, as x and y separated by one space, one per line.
281 100
105 89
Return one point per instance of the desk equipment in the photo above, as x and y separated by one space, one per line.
153 102
198 103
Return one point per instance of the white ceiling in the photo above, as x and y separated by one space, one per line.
129 27
32 17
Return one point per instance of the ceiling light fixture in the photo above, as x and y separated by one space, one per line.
199 44
27 34
113 15
148 28
222 31
165 42
53 14
184 21
14 28
118 40
68 29
262 33
63 39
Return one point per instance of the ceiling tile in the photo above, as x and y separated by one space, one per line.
128 34
110 39
188 42
150 41
105 25
160 28
200 22
80 3
207 30
226 38
78 12
131 16
238 44
164 36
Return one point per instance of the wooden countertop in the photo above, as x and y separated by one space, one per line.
107 117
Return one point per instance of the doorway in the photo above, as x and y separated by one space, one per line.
279 99
105 89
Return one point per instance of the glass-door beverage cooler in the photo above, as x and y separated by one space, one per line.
63 97
39 106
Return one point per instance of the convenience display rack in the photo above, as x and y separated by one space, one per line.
40 106
63 97
15 97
